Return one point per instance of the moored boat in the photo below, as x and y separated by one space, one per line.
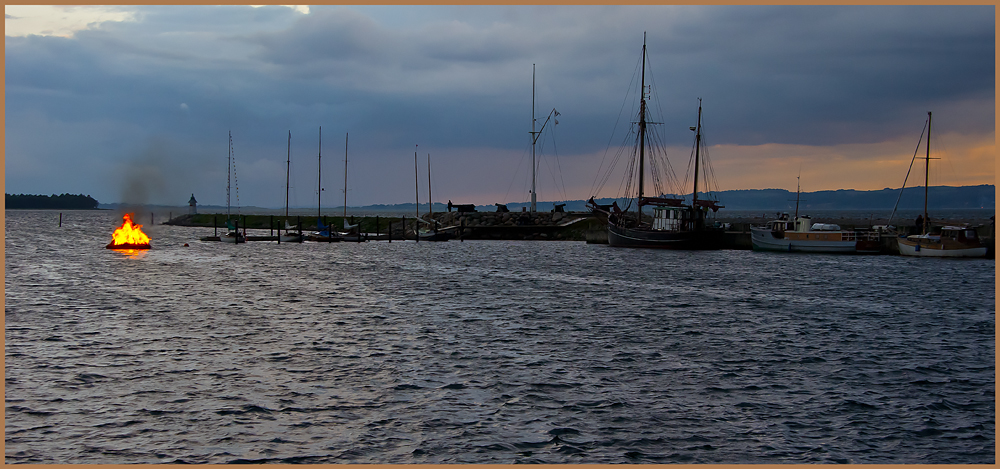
323 233
674 224
948 241
289 236
802 235
951 241
233 235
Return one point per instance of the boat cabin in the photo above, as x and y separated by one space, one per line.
668 218
962 234
781 224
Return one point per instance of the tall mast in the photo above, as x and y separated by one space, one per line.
346 137
288 166
798 187
319 177
430 201
416 182
697 147
533 139
927 170
642 129
229 172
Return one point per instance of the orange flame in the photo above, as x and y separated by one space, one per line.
129 235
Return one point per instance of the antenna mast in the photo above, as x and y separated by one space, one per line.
346 136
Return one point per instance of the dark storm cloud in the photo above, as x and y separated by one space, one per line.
819 75
460 77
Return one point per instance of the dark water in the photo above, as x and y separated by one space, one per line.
486 352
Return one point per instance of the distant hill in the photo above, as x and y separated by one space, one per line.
63 202
941 197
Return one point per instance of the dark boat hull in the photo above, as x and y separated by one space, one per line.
127 246
653 239
439 236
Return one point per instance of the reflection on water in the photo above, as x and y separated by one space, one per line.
486 352
132 253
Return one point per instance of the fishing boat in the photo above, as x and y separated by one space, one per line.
289 236
233 234
800 234
944 241
674 224
323 233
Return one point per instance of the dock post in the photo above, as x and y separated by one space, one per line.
215 224
298 220
151 219
390 229
60 219
461 230
378 229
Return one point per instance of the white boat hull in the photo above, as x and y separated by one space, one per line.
931 249
763 240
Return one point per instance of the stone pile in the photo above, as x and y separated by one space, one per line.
474 219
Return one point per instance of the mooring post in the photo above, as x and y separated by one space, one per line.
151 218
215 224
461 230
390 229
60 219
298 221
378 229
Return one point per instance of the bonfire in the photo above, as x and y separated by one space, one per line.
129 236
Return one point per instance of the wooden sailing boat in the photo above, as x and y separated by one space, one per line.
674 225
289 236
949 241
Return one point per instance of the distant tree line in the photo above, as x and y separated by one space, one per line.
64 201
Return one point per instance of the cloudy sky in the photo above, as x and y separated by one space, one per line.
135 103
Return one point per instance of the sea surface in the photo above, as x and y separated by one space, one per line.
485 352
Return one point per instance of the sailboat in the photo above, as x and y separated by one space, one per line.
948 241
324 233
674 225
233 234
289 236
351 232
431 234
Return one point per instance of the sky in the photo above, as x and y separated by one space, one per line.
135 104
